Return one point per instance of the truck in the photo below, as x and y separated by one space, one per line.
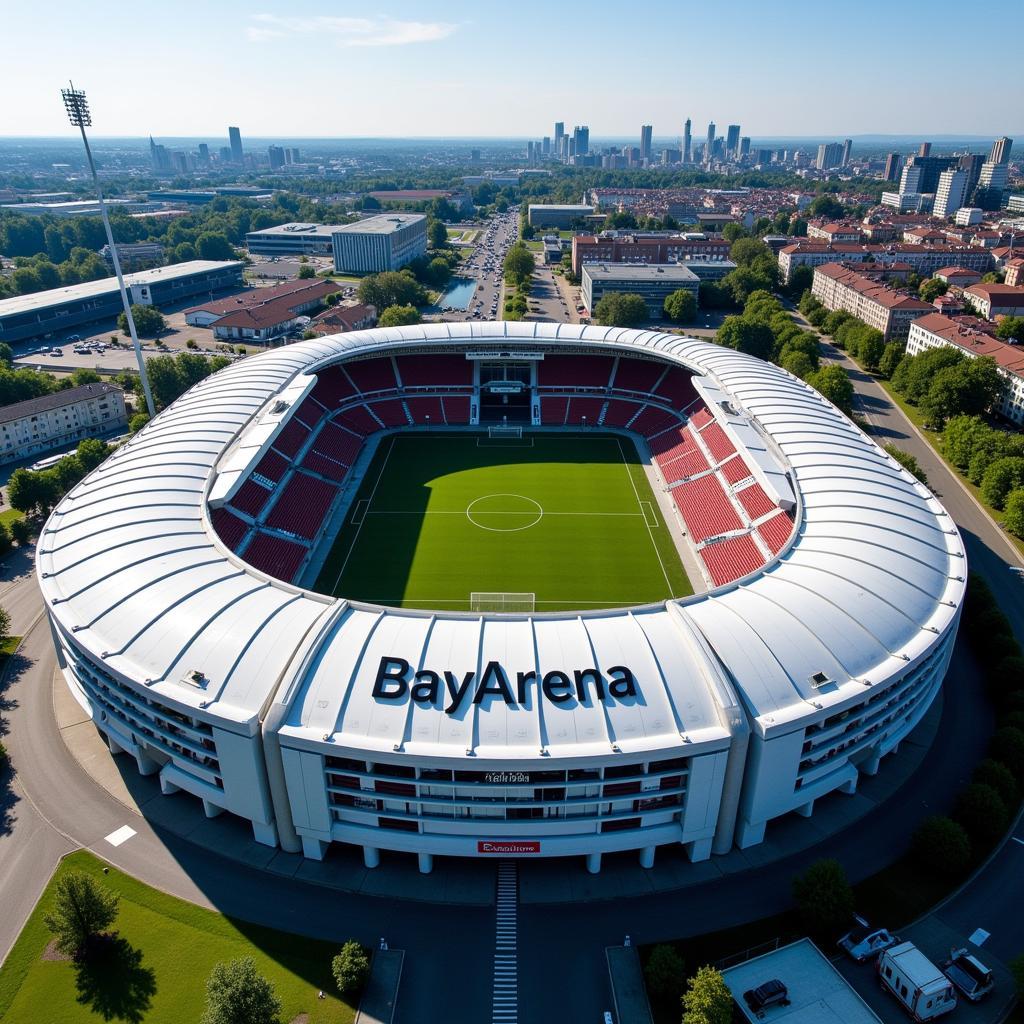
915 982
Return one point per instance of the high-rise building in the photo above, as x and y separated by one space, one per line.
971 164
224 154
910 178
744 147
925 149
830 154
235 141
545 146
530 151
560 149
159 156
764 157
709 147
687 142
993 175
931 167
474 156
951 193
581 138
646 132
893 163
204 155
276 154
1000 153
732 141
847 147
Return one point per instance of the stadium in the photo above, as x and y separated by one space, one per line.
491 590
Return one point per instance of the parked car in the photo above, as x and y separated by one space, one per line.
973 979
865 943
771 993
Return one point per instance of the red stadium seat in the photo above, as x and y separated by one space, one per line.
574 371
717 441
653 421
391 413
275 556
371 375
730 559
425 410
755 501
292 437
676 388
229 527
584 410
700 417
439 371
302 506
619 413
705 508
735 469
332 387
359 420
637 375
272 466
775 531
250 498
553 409
456 409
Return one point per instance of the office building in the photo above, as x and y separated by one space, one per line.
893 165
581 140
971 164
744 147
993 175
557 215
1000 153
235 141
386 242
159 156
732 142
839 286
224 154
830 155
559 135
764 157
204 155
653 283
924 149
61 309
847 149
687 142
639 249
545 146
951 193
293 239
646 132
276 155
709 145
930 168
910 178
60 420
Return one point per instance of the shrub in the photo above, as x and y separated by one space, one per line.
707 1000
942 846
1008 747
665 973
21 531
1000 778
236 992
823 896
981 811
351 968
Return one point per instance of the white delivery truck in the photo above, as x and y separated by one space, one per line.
920 987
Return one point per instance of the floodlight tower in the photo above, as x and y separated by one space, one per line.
77 107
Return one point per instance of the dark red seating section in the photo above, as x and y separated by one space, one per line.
456 409
553 410
250 498
677 388
332 387
272 466
359 420
755 501
425 410
574 371
637 375
435 371
302 505
292 438
391 412
729 559
317 463
372 375
705 508
229 527
653 421
338 444
311 411
275 556
584 410
671 443
717 441
619 413
775 531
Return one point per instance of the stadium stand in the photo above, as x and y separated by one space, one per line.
553 410
637 375
584 410
705 507
229 527
574 372
372 375
729 559
391 412
653 420
434 371
734 469
619 413
292 438
359 420
302 505
317 463
755 502
275 556
332 387
676 388
717 442
338 444
250 498
425 410
701 418
456 408
272 466
688 464
775 531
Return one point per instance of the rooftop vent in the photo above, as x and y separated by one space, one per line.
194 677
820 679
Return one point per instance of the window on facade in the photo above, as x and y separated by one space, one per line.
398 824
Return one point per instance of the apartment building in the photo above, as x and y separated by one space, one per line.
992 300
924 259
842 287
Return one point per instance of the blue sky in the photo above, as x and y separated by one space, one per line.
398 68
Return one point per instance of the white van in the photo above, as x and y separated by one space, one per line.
918 985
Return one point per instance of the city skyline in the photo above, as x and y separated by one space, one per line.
433 89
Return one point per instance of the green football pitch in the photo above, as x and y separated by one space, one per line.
568 519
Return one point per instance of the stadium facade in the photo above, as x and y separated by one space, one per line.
173 578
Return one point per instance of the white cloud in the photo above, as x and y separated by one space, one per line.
350 31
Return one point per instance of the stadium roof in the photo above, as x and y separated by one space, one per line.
875 571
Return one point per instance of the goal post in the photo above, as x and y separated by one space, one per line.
501 601
505 430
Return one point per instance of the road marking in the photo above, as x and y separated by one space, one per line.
122 835
978 937
505 986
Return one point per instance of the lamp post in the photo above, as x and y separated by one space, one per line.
77 107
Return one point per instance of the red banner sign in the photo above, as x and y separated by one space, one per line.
508 846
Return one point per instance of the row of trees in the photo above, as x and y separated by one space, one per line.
35 493
756 270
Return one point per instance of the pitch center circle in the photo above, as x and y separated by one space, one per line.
504 513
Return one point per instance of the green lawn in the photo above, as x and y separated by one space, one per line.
160 964
10 515
569 518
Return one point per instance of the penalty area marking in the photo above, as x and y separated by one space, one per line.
503 442
539 514
121 835
359 511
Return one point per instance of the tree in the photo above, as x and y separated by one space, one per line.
1001 477
5 617
437 235
907 461
518 265
871 348
970 387
998 776
797 363
1008 747
941 846
746 336
237 994
621 309
306 271
745 250
1010 328
681 306
981 811
149 321
82 908
914 375
823 896
707 1000
399 316
801 277
21 531
1013 512
351 968
931 289
24 491
826 206
212 245
892 354
665 973
391 289
834 320
733 232
833 383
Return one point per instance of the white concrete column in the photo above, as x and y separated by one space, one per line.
264 833
806 810
594 863
146 764
113 745
699 849
870 766
212 810
749 833
426 861
849 787
167 788
371 856
647 857
313 848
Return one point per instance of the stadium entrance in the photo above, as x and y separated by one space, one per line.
505 392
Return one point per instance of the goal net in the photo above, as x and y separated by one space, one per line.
499 601
504 431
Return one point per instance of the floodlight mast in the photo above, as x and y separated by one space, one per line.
77 107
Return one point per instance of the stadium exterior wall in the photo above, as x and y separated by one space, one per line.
255 696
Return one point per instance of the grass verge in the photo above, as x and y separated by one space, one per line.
158 971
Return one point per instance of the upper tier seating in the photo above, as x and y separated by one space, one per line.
371 375
705 508
292 437
553 409
584 411
359 420
637 375
439 371
302 505
574 371
332 386
729 559
391 412
653 421
717 441
229 527
250 498
337 443
775 531
456 409
425 410
272 466
677 388
755 501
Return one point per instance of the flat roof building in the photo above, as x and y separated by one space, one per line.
385 242
59 309
923 259
59 420
80 207
636 248
653 283
293 239
551 215
842 287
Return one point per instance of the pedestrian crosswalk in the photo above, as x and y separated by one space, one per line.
505 1002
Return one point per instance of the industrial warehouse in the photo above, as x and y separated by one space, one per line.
817 635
